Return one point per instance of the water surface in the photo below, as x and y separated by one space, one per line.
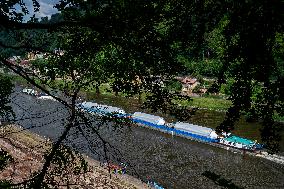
174 162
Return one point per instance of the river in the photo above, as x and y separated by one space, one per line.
174 162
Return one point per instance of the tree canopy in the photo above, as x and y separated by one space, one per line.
136 44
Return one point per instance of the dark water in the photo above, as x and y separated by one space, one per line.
173 162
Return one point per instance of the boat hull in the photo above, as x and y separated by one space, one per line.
174 131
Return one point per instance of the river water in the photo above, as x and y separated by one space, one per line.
173 162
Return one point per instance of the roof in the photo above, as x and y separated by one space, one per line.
149 118
187 80
237 139
196 129
24 62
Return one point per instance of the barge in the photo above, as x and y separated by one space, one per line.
100 109
240 143
183 129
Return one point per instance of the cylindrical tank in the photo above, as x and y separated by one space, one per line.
110 109
149 118
195 129
99 108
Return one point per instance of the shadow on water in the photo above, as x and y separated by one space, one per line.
220 181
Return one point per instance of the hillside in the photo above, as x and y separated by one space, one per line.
27 151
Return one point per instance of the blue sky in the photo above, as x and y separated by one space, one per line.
46 8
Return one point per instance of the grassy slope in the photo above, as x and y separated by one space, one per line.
210 103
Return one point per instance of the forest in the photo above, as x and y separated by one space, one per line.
131 43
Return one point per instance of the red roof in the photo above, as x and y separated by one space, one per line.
24 62
187 80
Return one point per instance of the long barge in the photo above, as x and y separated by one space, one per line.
183 129
194 132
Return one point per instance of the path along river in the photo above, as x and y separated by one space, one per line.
173 162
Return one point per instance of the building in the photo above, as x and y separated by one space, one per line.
188 84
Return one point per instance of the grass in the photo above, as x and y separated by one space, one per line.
105 89
210 103
215 104
18 80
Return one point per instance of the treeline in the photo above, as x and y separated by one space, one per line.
203 59
31 40
127 42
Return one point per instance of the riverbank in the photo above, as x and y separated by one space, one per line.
210 103
27 150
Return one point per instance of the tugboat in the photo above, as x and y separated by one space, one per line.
239 142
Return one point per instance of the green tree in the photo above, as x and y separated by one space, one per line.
149 42
174 85
250 38
6 112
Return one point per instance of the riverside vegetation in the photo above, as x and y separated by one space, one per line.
135 48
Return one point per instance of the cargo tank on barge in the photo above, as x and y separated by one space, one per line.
100 109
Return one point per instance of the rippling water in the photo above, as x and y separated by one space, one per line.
173 162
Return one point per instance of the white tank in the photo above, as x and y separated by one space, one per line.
195 129
100 108
88 104
149 118
109 109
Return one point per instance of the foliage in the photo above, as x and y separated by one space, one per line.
250 38
138 45
278 54
216 40
206 67
174 85
5 159
197 88
5 184
166 102
6 88
226 88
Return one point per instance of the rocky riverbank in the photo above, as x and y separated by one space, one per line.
27 150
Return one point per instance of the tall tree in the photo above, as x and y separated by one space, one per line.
136 45
6 112
250 38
